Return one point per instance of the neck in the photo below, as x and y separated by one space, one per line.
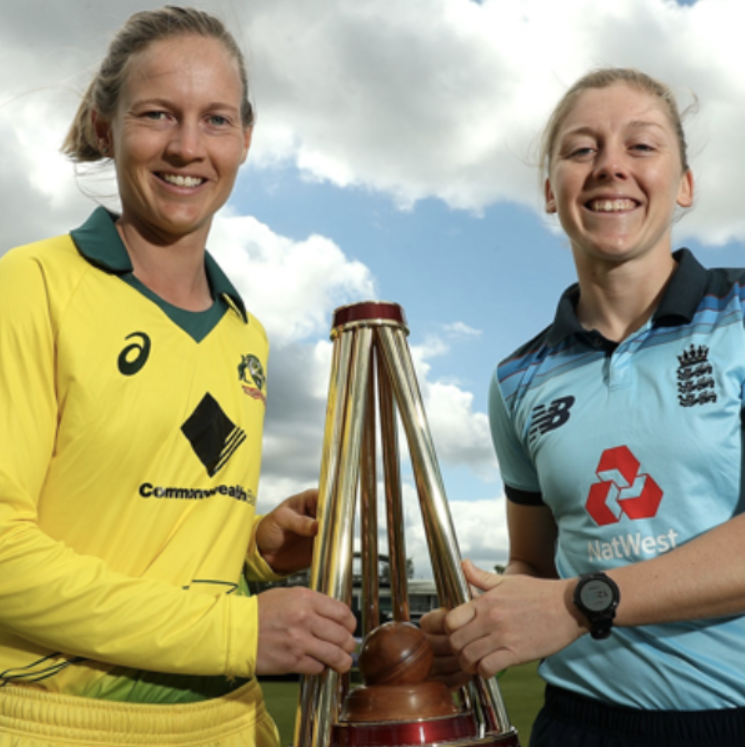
616 300
174 271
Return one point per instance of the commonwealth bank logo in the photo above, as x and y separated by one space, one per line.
212 435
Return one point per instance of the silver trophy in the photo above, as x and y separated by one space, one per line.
372 385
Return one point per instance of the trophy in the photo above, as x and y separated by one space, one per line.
372 388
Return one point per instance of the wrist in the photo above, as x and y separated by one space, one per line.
596 597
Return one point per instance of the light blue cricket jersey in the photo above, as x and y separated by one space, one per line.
637 448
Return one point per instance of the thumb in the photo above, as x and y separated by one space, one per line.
306 526
483 580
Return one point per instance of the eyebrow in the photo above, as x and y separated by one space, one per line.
167 103
636 124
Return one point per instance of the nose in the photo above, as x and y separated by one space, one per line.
186 143
610 163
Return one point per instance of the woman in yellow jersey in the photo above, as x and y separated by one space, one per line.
132 396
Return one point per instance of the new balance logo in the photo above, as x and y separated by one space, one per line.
544 419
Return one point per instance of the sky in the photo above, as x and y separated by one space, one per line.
394 158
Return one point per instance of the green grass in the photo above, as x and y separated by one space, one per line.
521 688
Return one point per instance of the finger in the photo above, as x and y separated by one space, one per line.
460 616
453 680
497 662
433 622
332 612
305 503
329 655
483 580
289 520
440 645
444 666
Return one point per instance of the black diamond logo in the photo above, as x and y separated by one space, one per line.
212 435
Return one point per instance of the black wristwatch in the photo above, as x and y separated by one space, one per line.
596 596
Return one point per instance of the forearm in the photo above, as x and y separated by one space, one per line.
702 579
76 604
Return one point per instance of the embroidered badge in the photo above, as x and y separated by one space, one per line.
252 373
696 384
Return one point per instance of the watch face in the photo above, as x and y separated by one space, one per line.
596 595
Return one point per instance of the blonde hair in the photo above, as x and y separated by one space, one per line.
603 78
140 30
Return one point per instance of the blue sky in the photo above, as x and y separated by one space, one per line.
392 159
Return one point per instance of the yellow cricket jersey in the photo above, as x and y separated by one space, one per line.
130 445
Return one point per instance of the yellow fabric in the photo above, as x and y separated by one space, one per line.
35 718
117 546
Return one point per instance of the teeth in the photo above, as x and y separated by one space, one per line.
182 181
611 206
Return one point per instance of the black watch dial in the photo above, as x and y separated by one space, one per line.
596 595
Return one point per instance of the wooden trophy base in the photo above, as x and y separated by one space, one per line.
403 702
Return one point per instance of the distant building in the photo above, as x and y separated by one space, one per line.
422 598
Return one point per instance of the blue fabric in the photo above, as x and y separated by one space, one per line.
637 449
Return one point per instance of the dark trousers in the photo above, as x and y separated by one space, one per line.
569 720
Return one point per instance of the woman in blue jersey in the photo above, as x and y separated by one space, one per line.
619 435
132 397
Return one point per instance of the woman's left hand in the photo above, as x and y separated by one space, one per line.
285 535
516 620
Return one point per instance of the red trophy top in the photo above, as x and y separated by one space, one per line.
368 313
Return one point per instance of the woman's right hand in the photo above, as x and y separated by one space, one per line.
303 631
445 667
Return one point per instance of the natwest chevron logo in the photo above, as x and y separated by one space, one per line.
622 489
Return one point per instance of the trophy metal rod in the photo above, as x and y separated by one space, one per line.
325 511
393 499
369 602
440 532
342 551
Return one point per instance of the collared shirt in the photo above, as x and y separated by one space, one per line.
636 448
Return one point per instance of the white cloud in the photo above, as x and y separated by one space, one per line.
440 98
292 286
461 436
460 329
446 98
480 530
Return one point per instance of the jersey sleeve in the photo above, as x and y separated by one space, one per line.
517 470
53 597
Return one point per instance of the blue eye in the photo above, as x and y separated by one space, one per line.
580 152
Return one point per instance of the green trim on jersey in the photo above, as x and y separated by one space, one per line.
100 243
198 324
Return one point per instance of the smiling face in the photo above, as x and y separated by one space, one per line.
616 176
176 137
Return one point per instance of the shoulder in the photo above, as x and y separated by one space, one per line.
257 328
46 265
523 358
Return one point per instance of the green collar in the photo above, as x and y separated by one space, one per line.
99 242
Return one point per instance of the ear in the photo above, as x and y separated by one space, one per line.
247 135
102 130
548 195
685 191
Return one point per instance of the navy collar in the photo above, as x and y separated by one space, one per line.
99 242
679 302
